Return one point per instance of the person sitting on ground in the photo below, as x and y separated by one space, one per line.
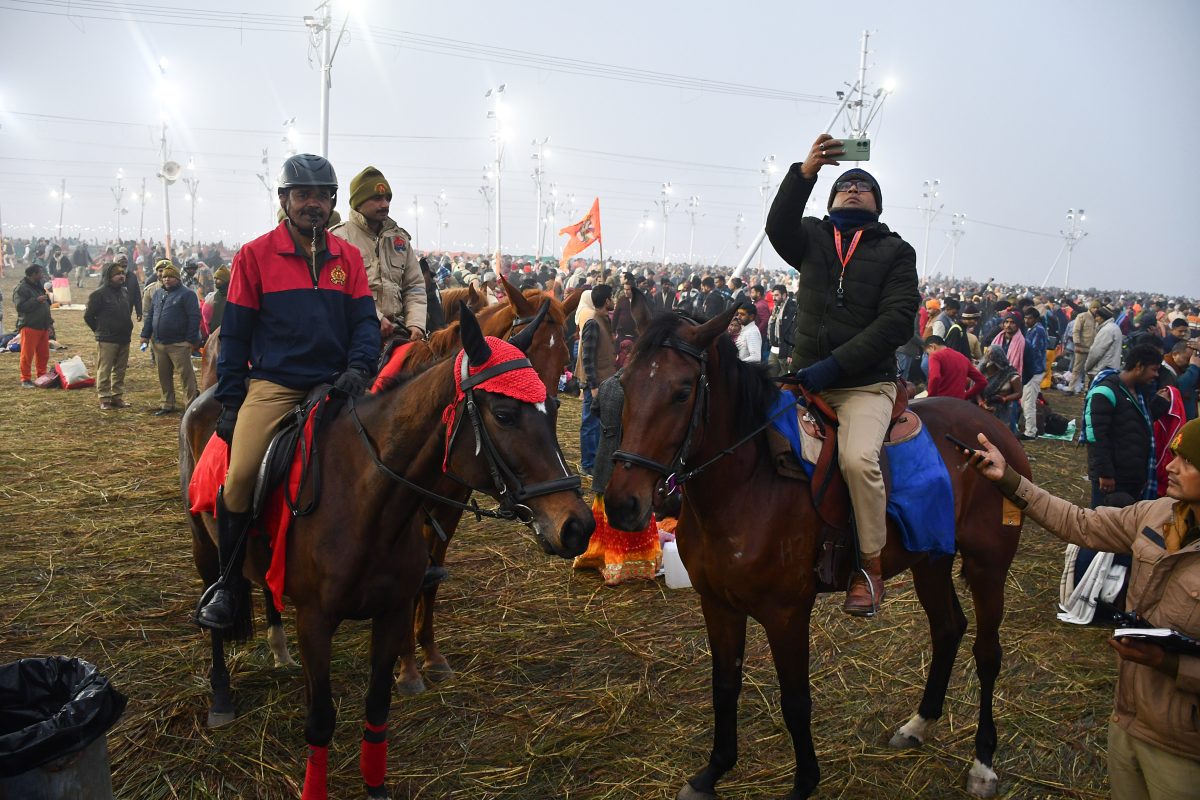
1003 389
1153 748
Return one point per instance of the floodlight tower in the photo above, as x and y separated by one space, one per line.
487 191
320 33
440 203
958 229
768 171
737 231
498 133
665 206
61 195
417 208
1073 235
539 171
929 195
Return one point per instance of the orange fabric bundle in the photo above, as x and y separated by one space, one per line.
621 556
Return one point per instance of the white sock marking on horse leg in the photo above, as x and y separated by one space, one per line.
277 641
916 728
981 772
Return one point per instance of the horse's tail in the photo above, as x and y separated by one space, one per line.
242 629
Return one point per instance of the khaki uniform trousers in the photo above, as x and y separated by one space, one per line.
265 406
111 360
1138 770
175 360
864 413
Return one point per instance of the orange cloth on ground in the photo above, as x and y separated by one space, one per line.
621 556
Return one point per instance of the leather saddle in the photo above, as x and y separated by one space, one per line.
830 494
281 452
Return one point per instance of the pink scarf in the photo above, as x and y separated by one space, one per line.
1016 350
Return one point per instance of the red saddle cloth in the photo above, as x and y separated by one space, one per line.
209 476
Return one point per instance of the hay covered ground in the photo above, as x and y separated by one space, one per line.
565 688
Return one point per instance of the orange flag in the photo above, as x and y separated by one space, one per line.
582 233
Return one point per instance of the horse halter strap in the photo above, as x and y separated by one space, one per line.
512 492
671 471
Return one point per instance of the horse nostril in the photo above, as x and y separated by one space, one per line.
575 535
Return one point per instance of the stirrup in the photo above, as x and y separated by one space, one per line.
207 599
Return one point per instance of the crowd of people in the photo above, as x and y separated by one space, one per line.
850 320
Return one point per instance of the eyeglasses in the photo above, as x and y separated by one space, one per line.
862 186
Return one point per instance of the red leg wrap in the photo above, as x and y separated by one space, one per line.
314 775
372 759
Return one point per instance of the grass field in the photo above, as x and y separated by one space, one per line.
564 688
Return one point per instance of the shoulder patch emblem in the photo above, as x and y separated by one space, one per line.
338 276
399 244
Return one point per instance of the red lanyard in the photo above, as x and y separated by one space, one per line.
845 259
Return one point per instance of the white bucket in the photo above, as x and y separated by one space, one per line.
676 573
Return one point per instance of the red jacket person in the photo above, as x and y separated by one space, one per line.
299 313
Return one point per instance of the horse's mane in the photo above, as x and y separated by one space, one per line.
754 391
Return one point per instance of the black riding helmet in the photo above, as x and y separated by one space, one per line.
305 169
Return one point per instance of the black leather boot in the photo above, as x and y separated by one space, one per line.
218 604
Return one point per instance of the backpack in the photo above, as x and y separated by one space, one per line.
956 339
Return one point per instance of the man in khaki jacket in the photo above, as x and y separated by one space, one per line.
1083 333
1153 741
393 271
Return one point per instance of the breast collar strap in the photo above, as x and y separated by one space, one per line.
671 472
512 493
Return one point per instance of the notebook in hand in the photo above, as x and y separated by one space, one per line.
1172 641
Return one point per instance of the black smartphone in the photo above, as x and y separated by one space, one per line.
966 449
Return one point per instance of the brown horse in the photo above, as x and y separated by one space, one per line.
751 551
361 554
549 353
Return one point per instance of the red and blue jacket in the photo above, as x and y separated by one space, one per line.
283 326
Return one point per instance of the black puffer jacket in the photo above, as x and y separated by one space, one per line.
110 311
881 296
31 311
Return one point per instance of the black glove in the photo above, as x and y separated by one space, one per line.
352 382
820 375
225 424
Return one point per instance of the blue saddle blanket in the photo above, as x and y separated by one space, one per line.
920 497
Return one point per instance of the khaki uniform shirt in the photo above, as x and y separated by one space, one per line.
1084 332
393 271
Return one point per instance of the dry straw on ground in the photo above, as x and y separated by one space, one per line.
565 689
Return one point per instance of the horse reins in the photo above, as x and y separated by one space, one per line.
672 472
512 492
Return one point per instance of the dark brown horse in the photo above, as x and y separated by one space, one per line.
361 554
750 543
549 354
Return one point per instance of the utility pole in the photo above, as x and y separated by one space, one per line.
1073 236
487 192
498 140
539 157
268 183
665 206
168 174
118 193
929 194
958 229
693 208
440 203
193 186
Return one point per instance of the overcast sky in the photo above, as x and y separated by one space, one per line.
1021 109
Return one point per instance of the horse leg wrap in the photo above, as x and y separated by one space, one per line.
314 775
372 759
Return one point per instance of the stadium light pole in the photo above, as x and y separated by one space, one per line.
486 190
767 171
118 193
193 186
665 205
930 194
693 208
495 114
321 30
440 202
63 197
539 170
958 229
1073 236
417 208
141 197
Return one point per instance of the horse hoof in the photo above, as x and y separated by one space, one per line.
982 781
219 719
288 663
902 741
688 793
437 673
411 687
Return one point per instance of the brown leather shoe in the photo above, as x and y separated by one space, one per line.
859 599
105 405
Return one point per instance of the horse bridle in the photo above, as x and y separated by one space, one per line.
513 494
672 473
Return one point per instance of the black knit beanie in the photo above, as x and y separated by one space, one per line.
857 174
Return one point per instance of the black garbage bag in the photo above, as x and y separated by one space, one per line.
52 707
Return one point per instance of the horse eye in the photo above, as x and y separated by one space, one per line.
681 396
505 417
